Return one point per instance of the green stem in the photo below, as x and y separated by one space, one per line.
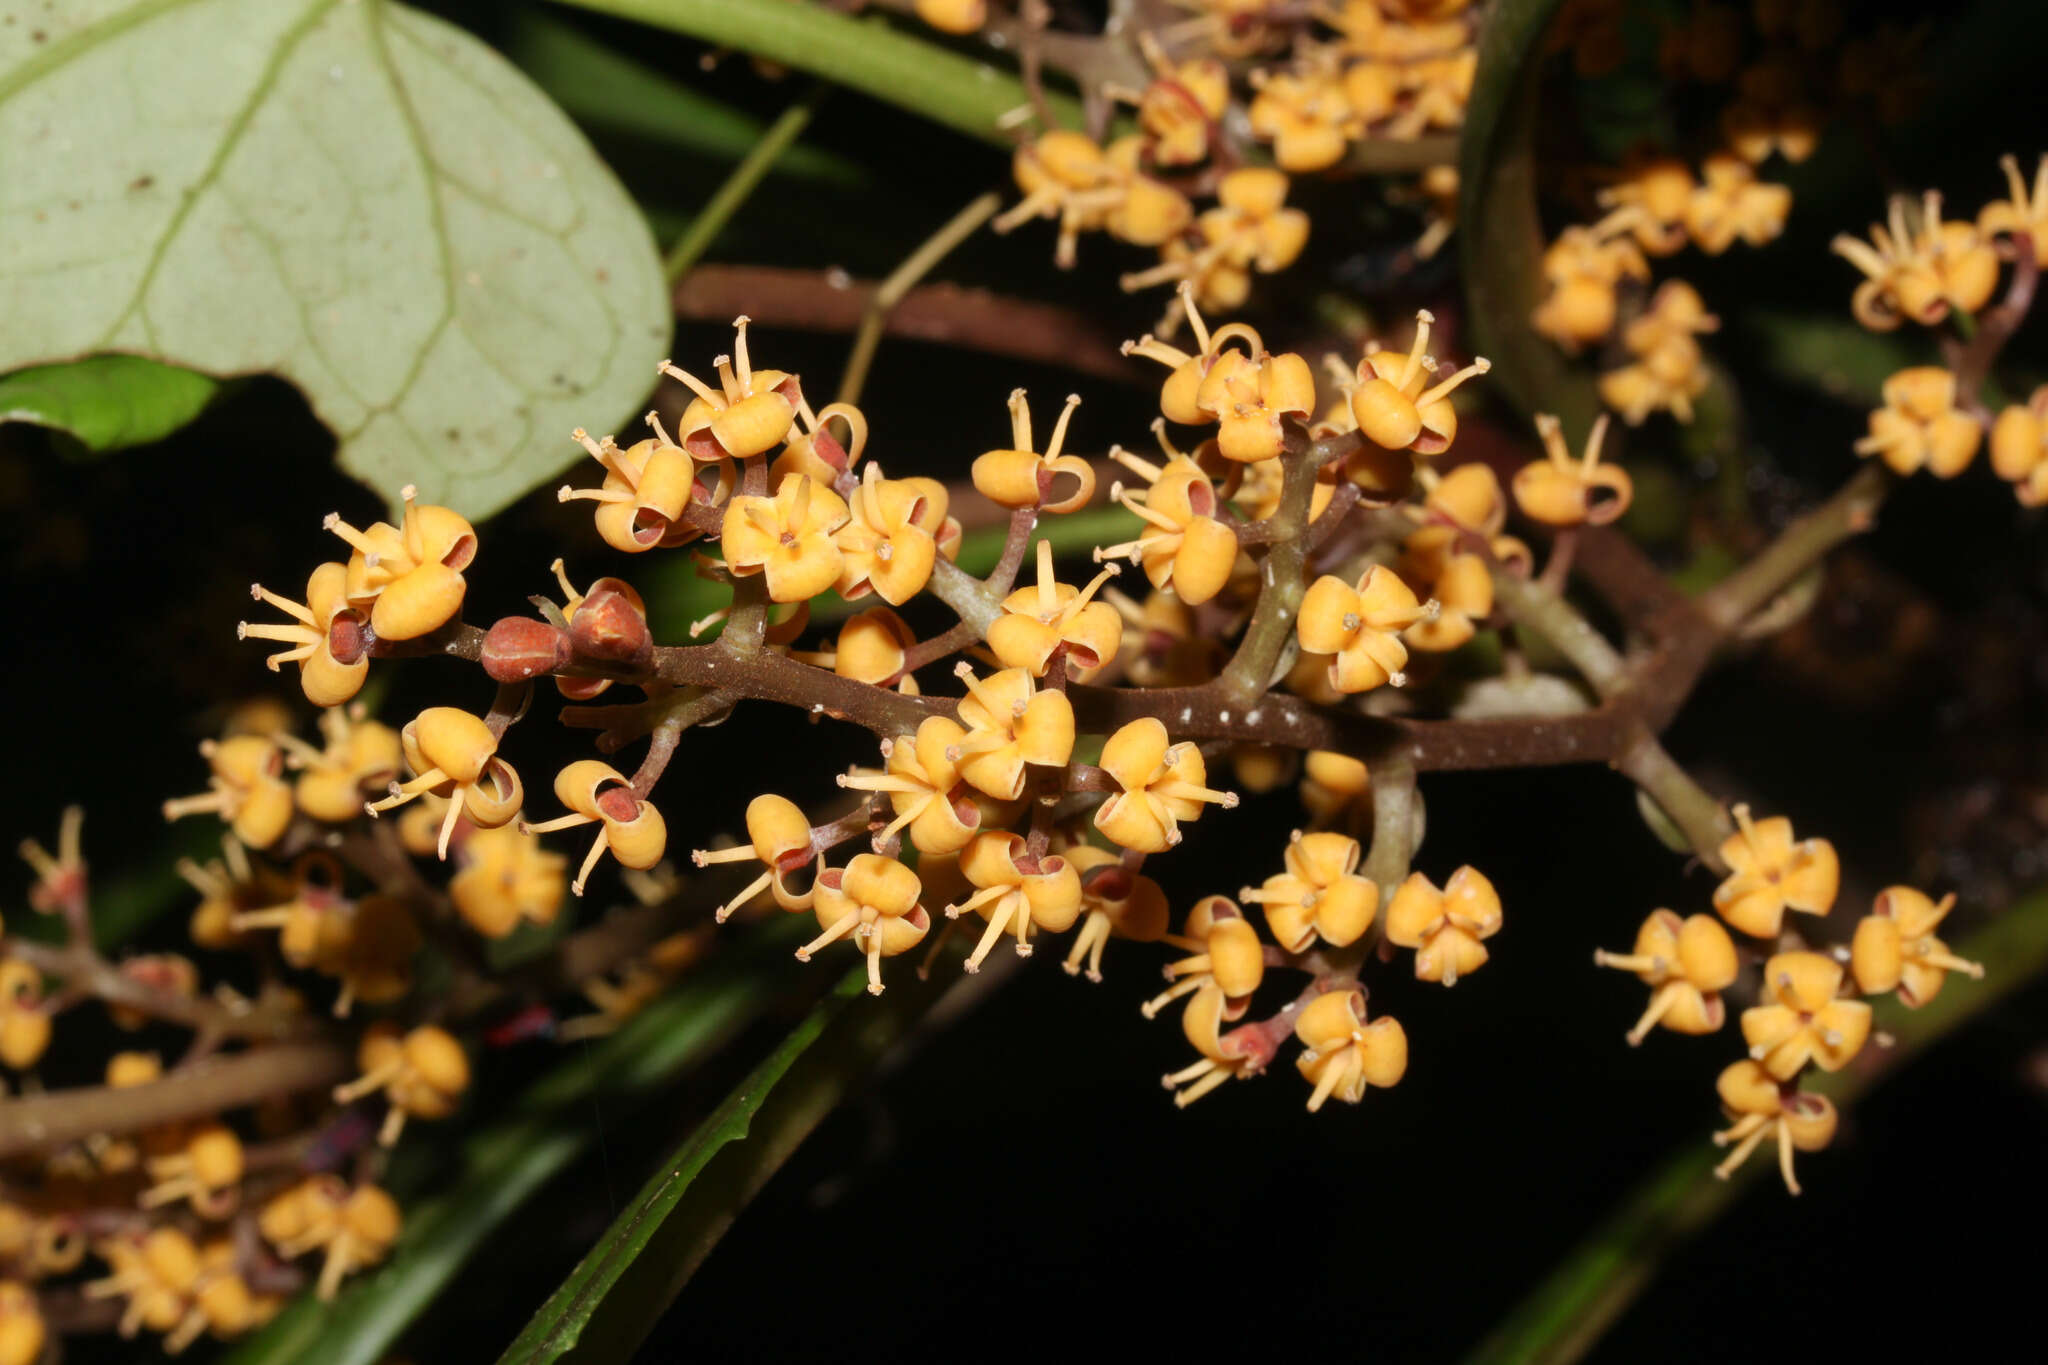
1691 808
1851 510
902 280
1547 614
1281 582
740 185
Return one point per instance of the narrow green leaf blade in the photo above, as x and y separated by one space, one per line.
107 402
558 1324
605 89
1500 236
925 78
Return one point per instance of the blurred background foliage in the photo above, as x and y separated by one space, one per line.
1013 1181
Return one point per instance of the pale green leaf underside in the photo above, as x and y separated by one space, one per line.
348 193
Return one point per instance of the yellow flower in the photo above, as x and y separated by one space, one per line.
1445 928
1920 268
1115 902
1560 491
422 1073
1063 175
1806 1019
1023 477
1731 203
1582 270
647 489
1360 627
1658 188
779 836
329 638
788 538
750 412
1391 405
924 788
1186 547
1895 947
1180 105
507 878
1770 113
1224 1056
1010 725
1016 891
247 789
2024 212
1051 618
1769 873
454 754
875 901
1160 784
1457 581
1332 784
1344 1054
408 577
1686 964
1224 954
1320 895
359 756
1763 1109
885 545
1920 427
25 1024
1306 115
2019 448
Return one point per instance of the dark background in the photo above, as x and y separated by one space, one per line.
1020 1184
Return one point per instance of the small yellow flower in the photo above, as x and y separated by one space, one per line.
1445 928
422 1074
1764 1109
1769 874
1023 476
1806 1021
1360 627
1895 947
507 878
1224 1055
1016 892
1319 896
1659 189
1186 547
25 1024
1686 964
750 412
1187 396
328 636
885 545
359 757
407 577
1224 954
1560 491
2024 211
1010 725
206 1170
354 1229
924 788
1306 115
1456 580
1115 902
1160 784
1920 427
2019 448
1582 270
1731 203
647 489
788 538
1181 104
875 901
1344 1054
1920 268
1052 619
247 789
630 827
779 836
1392 406
1064 175
454 754
1332 784
23 1333
959 17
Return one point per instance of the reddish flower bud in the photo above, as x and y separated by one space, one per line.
611 624
519 647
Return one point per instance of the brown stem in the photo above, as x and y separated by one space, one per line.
1692 809
268 1020
1852 510
39 1122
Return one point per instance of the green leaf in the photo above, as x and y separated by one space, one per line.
355 196
909 72
1500 236
604 89
108 402
1589 1291
499 1167
555 1328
